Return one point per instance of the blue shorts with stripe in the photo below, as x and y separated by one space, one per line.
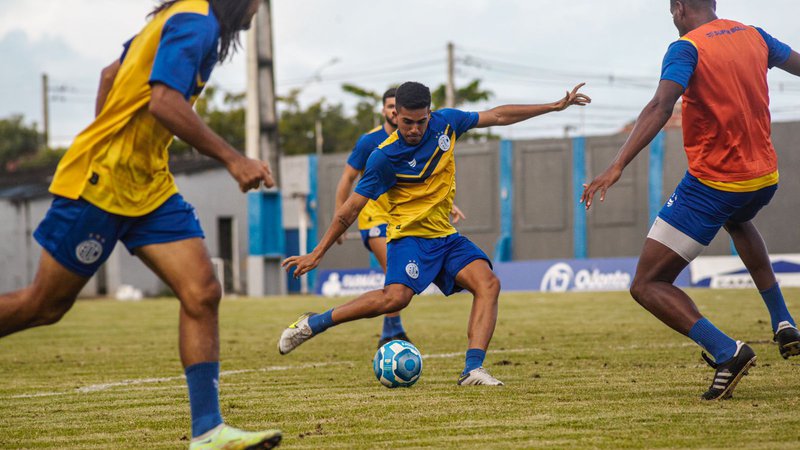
81 236
699 211
374 232
417 262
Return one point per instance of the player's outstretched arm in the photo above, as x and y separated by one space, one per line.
511 114
651 120
792 65
176 114
343 190
107 77
344 217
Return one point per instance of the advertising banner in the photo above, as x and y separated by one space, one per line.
561 275
572 275
727 272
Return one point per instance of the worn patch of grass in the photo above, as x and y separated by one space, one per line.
581 371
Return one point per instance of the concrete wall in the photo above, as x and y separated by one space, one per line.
542 199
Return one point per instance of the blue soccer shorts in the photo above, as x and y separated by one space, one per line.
81 236
374 232
418 262
699 211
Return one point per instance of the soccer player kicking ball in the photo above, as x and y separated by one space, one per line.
415 167
114 184
373 219
720 68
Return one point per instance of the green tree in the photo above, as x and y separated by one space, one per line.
17 140
227 120
471 93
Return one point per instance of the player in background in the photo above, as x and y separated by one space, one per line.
114 184
374 217
720 68
415 168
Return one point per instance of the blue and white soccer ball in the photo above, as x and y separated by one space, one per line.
397 363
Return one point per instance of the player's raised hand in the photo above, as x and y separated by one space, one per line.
601 183
302 264
251 173
456 215
573 98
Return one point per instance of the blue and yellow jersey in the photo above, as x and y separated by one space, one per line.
120 162
376 212
419 180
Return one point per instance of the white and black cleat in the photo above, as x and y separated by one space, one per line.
728 374
788 339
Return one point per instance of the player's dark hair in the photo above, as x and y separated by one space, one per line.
412 95
230 15
390 93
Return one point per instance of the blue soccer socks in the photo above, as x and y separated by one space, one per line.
321 322
721 347
778 312
475 357
203 382
392 326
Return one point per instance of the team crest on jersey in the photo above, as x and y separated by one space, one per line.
412 269
89 251
444 142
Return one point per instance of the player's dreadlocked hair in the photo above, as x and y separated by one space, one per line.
231 17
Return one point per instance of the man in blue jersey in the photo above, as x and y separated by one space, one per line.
415 168
373 219
114 184
719 67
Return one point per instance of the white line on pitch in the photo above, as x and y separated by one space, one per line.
104 386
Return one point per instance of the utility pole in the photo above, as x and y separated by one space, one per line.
450 91
265 207
46 110
262 118
320 140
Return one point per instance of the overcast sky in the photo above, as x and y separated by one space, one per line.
523 50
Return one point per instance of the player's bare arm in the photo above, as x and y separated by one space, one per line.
174 112
343 190
511 114
651 120
792 65
344 217
107 77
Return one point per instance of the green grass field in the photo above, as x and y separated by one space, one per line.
581 371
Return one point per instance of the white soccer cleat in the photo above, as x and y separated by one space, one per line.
295 334
225 437
478 377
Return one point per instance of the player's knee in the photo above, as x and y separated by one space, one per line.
493 285
489 286
638 290
394 300
46 308
202 298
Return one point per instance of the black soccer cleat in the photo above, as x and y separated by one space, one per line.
396 337
728 374
788 339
